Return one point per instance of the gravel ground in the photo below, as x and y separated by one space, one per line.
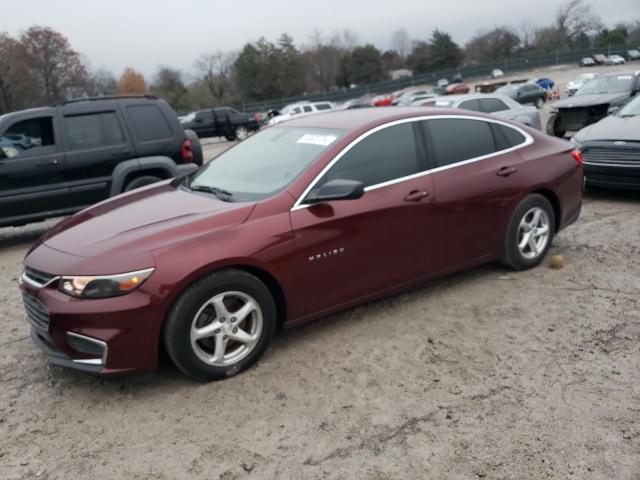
486 374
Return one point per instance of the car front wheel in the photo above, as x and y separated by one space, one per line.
554 126
220 325
530 233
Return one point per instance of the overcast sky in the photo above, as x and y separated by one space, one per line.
147 33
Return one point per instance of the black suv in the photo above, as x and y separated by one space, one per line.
221 122
599 97
60 159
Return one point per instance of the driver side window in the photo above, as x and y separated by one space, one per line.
29 137
383 156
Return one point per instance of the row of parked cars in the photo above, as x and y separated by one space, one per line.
600 59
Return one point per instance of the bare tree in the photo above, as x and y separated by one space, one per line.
401 42
527 33
576 17
51 58
214 71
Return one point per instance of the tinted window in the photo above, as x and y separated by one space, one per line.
295 111
28 137
308 109
149 123
93 131
205 117
506 137
490 105
456 140
323 106
380 157
470 105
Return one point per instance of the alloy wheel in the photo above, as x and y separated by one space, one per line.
241 133
533 233
226 328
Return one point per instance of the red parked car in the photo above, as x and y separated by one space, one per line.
458 89
382 101
300 220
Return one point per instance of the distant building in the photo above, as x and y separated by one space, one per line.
400 73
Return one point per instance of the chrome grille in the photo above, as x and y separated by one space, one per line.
37 313
610 155
38 277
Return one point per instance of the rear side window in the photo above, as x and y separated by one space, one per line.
456 140
382 156
490 105
472 105
149 123
93 131
323 106
506 137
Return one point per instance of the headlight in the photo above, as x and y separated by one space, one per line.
103 286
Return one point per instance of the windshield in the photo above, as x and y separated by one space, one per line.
608 84
189 117
265 163
506 90
631 109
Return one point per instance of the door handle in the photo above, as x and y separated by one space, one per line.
121 152
416 196
47 163
506 171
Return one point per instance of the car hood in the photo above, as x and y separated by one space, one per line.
578 101
611 128
142 221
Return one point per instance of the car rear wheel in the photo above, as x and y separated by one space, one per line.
241 133
141 182
530 233
220 325
554 126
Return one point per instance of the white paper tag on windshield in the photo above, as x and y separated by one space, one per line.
313 139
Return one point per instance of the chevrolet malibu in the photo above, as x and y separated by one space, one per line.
301 220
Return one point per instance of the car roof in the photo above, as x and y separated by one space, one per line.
364 118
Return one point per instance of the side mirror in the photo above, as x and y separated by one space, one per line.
614 109
336 190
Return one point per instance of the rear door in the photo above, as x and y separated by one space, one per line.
476 183
352 248
205 124
31 166
96 142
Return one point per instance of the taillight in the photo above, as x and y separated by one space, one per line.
577 156
187 153
257 118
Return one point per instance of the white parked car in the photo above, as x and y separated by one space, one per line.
295 110
497 73
578 82
409 97
614 60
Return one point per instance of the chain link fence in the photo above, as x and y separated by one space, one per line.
512 65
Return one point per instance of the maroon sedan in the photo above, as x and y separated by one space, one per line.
303 219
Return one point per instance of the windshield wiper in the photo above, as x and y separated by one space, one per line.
218 192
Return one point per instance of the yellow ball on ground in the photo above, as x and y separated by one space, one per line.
556 262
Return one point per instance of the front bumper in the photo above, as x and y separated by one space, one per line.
612 176
102 336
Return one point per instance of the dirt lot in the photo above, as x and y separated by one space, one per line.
486 374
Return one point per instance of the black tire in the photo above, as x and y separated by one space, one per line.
553 126
176 334
142 181
196 147
513 256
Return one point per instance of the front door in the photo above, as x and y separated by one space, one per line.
31 168
348 249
